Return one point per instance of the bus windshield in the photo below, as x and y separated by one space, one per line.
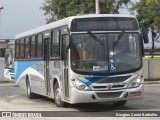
99 54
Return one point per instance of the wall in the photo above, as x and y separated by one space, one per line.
151 69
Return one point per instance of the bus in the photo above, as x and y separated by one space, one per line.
82 59
9 61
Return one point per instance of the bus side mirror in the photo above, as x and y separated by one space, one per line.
145 37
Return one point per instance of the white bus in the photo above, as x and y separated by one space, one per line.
82 59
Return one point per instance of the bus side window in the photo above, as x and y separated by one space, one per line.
21 49
39 46
33 47
27 46
65 43
55 47
17 49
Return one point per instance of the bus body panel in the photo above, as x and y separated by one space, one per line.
56 74
35 71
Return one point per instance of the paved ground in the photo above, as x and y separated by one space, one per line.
14 98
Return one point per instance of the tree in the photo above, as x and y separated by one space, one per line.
148 17
58 9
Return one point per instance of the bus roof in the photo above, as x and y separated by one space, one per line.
65 21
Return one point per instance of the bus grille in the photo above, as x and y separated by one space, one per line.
109 79
105 87
109 95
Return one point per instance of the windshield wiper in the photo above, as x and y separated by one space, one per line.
118 38
95 37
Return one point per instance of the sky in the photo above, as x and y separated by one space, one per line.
19 16
22 15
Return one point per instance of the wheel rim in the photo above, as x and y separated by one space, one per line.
57 96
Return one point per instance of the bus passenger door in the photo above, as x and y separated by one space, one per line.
65 57
46 65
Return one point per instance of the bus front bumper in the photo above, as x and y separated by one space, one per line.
78 96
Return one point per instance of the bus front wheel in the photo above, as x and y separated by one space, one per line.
57 96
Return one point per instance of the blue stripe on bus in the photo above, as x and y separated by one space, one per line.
87 78
21 66
95 77
82 78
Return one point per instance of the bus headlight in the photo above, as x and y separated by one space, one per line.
135 83
80 85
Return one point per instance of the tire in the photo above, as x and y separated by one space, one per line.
30 94
57 96
120 103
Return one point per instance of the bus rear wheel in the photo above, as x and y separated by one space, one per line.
57 96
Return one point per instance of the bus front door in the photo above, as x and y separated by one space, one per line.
65 81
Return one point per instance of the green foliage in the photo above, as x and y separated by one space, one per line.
148 17
58 9
148 14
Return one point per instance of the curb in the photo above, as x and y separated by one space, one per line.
151 82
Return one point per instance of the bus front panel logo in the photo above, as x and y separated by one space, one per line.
109 86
